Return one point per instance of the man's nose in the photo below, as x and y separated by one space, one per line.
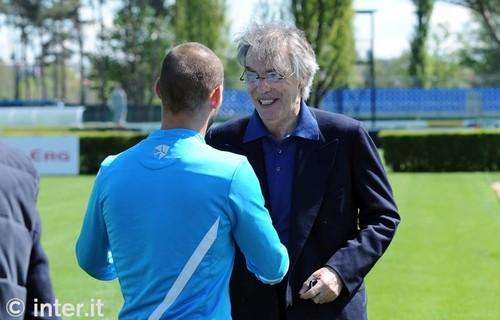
263 85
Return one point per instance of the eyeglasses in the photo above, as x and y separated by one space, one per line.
252 78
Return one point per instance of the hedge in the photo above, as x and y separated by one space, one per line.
95 148
414 151
434 151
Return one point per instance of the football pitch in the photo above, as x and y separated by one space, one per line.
444 262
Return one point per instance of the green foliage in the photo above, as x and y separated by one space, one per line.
419 69
6 90
232 71
47 29
392 73
477 150
445 69
201 21
447 65
21 13
487 12
142 32
95 148
204 21
328 27
103 69
134 49
24 16
479 53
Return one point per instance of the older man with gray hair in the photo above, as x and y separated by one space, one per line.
322 180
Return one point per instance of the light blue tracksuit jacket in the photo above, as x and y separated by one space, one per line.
165 216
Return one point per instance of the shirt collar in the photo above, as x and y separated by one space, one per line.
307 126
177 133
255 128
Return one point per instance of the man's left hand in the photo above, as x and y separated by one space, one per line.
322 286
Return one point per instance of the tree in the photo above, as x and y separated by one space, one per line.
99 61
328 27
488 10
45 29
23 15
480 54
393 72
480 46
136 45
79 24
60 22
209 29
445 65
202 21
445 69
132 50
419 68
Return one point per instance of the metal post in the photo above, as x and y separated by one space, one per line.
373 97
371 64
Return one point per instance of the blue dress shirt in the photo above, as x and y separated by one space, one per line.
279 157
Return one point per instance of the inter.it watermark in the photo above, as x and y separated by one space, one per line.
16 309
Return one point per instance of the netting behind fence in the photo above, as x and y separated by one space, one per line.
395 102
389 103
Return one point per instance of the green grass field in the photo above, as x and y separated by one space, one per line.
443 264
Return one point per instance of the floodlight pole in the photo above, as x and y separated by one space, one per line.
371 63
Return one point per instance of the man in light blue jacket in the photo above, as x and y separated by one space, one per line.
165 215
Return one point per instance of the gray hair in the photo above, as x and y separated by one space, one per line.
268 41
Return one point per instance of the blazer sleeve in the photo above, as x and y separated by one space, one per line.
378 214
210 137
38 282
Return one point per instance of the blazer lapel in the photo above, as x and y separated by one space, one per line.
313 163
253 151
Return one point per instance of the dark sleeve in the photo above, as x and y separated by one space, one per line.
209 136
378 214
38 283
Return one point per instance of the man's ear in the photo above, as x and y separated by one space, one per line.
216 97
157 88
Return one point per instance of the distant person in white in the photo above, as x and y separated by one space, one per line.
118 105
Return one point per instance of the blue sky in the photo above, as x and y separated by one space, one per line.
394 21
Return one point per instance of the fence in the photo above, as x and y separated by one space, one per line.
416 103
389 104
399 103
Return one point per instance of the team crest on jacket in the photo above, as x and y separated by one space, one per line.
161 151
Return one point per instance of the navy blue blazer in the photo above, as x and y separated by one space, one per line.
343 216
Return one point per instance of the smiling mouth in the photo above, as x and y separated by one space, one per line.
267 102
